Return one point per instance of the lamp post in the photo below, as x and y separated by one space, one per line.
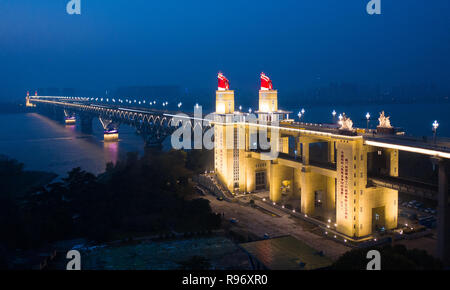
368 120
334 116
435 127
299 116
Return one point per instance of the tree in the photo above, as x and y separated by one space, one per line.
392 258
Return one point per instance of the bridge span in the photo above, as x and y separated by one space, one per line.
340 174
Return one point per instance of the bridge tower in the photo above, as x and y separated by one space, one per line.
279 177
27 101
226 155
362 208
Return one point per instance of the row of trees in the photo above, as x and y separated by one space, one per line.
149 194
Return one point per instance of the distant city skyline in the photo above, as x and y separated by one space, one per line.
301 45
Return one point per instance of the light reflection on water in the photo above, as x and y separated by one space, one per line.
44 144
111 150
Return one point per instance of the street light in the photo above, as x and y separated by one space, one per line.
240 108
435 127
368 120
250 110
334 115
299 115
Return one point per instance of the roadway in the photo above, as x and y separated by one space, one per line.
278 223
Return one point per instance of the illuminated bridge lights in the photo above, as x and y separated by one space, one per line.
413 149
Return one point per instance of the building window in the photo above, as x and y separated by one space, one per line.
260 180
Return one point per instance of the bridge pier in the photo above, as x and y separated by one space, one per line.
443 222
86 124
69 117
305 152
306 191
111 129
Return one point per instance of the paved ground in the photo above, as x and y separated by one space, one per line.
259 223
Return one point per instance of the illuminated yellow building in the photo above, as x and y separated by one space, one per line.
335 191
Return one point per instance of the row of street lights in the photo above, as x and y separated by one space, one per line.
435 124
300 114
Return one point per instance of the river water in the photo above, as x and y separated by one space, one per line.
44 144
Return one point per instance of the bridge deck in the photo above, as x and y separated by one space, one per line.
412 144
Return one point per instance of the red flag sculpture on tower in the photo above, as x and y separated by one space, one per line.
266 83
223 82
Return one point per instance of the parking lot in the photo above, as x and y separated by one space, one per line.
265 224
418 213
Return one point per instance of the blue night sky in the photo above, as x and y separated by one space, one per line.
297 43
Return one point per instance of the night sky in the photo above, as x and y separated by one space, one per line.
297 43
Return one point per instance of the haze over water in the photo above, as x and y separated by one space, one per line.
44 144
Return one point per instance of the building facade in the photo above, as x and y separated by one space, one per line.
334 188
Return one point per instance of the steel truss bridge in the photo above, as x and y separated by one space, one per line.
152 124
